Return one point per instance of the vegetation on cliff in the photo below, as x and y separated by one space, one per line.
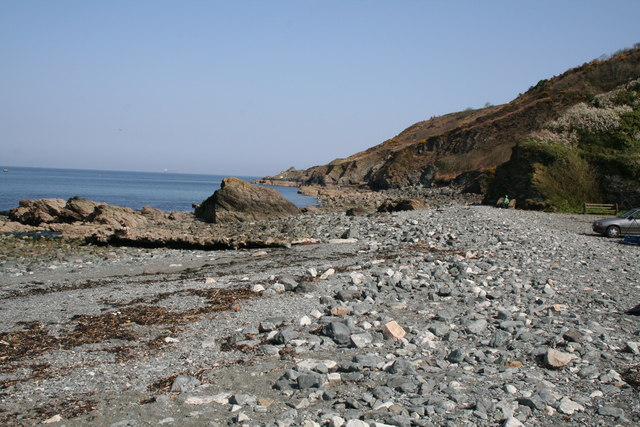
589 153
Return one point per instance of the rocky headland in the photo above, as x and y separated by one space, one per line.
450 314
569 139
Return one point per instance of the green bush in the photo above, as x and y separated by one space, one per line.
567 181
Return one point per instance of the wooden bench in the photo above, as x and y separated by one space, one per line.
600 208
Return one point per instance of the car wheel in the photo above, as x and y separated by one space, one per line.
613 231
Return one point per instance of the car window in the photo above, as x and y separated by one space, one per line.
633 213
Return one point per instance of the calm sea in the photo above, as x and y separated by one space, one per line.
165 191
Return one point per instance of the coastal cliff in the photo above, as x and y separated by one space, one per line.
466 147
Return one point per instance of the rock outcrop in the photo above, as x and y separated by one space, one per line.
36 212
75 210
240 201
152 228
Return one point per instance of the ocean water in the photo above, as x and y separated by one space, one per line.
165 191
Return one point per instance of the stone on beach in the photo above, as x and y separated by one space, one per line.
558 359
393 331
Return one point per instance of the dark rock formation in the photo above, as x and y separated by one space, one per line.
240 201
401 205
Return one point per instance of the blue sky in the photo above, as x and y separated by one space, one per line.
254 87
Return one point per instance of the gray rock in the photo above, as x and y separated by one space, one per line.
285 335
184 383
311 380
339 332
457 356
477 326
402 366
611 411
369 361
361 340
573 335
243 399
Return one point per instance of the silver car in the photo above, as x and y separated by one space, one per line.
627 223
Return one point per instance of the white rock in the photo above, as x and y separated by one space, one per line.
310 364
54 419
366 325
356 423
512 422
316 313
342 241
242 417
199 400
221 398
383 405
569 407
357 278
326 274
510 388
425 339
258 288
558 359
304 321
334 378
336 421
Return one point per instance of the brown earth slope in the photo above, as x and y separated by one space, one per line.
471 141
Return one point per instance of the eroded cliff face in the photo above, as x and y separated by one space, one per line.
444 148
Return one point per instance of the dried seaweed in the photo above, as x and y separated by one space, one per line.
35 339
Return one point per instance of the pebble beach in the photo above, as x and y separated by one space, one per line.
451 315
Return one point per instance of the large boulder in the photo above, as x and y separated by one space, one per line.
239 201
36 212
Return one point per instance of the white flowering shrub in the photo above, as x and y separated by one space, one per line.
602 115
584 117
549 136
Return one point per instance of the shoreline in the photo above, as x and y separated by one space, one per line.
167 336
